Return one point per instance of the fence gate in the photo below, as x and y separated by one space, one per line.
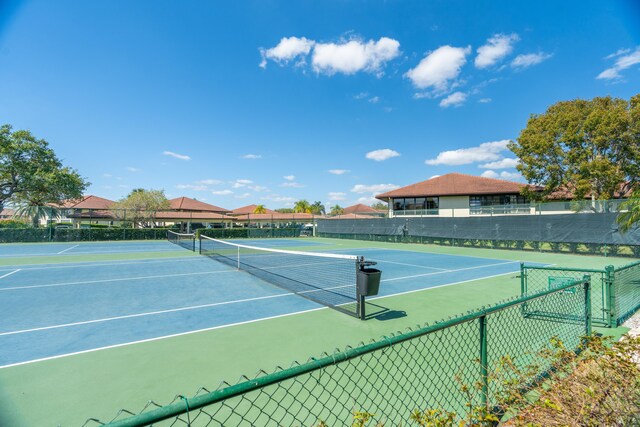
535 279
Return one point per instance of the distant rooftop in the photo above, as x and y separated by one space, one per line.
187 204
249 210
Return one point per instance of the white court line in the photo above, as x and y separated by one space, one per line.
68 249
150 313
9 274
109 263
410 265
441 286
159 338
89 282
448 271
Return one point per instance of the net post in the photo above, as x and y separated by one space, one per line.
610 294
360 303
200 245
484 361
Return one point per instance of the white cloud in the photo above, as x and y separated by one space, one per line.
337 195
496 48
486 152
625 59
503 175
239 183
353 56
222 192
257 188
490 174
289 177
242 196
456 99
381 155
484 100
288 49
361 95
511 176
374 100
338 171
530 59
209 182
433 176
252 156
375 188
193 187
132 169
439 68
367 200
507 163
290 184
278 198
176 155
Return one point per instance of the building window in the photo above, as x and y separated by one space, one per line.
415 203
484 204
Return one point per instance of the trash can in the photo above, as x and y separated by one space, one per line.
368 281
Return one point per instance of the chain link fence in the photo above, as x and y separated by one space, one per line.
615 292
419 369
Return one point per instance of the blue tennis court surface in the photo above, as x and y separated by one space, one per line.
59 309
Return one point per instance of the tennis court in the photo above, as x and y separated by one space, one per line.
90 328
51 310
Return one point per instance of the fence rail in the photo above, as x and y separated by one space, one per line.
418 369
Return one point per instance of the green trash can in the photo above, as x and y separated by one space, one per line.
368 281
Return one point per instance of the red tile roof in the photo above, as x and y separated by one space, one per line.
360 208
249 210
7 212
168 215
187 204
454 184
92 202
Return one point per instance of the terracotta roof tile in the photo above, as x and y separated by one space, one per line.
360 208
454 184
187 204
354 216
93 202
277 216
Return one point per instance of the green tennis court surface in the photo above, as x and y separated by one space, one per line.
93 328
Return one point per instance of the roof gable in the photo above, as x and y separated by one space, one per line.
455 184
93 202
360 208
188 204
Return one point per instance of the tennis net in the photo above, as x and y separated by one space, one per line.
328 279
187 241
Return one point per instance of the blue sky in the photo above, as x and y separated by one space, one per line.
269 102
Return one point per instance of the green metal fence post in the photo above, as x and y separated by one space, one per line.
587 304
610 295
484 361
523 284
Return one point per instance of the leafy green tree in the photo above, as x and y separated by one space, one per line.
629 212
302 206
260 209
284 210
36 212
337 210
380 206
317 208
31 174
591 147
140 206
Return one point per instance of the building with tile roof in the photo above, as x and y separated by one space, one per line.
361 209
192 205
249 210
455 192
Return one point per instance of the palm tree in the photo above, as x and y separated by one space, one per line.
631 216
302 206
36 212
317 208
260 209
337 210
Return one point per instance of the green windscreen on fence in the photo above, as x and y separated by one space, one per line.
419 369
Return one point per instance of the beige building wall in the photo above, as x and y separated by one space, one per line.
447 204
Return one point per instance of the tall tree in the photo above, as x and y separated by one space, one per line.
31 174
140 206
337 210
302 206
590 147
380 206
317 208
